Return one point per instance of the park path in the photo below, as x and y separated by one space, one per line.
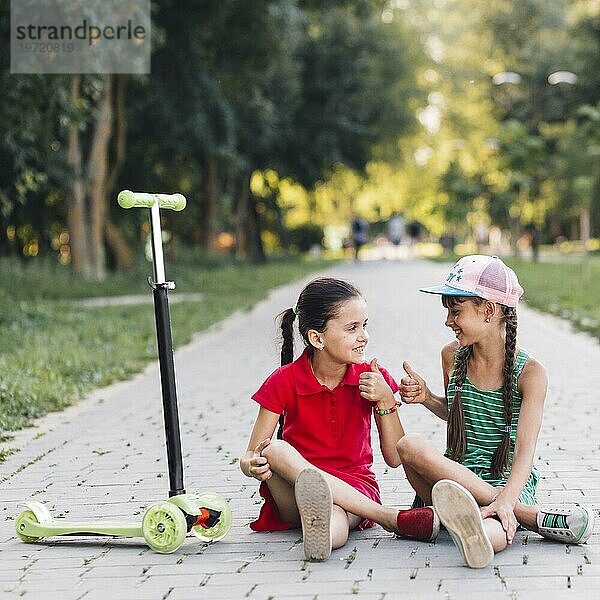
105 458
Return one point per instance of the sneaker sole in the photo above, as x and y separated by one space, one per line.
460 515
435 530
315 505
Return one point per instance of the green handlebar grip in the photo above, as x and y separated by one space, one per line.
128 199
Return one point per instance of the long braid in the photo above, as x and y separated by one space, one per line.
500 459
456 438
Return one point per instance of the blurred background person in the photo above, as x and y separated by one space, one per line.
395 232
360 235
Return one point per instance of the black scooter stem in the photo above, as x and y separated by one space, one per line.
169 392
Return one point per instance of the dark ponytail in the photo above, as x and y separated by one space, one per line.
286 324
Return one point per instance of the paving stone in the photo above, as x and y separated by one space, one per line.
104 458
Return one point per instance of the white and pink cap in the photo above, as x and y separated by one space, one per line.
484 276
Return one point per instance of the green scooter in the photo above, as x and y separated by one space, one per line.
164 525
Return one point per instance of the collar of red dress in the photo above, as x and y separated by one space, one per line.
306 383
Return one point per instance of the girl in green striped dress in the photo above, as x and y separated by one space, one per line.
484 485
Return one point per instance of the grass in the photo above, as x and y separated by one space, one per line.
555 286
53 351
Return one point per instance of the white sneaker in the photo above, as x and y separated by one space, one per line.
315 505
459 513
567 523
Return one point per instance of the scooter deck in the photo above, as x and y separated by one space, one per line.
59 527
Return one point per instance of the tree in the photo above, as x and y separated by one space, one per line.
244 87
56 139
215 105
357 86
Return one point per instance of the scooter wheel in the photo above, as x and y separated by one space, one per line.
164 527
221 529
20 525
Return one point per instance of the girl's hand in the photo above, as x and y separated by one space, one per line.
374 387
413 389
256 464
504 510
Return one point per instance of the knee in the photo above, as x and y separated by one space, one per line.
410 447
340 527
495 533
276 452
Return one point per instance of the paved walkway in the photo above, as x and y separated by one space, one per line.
104 458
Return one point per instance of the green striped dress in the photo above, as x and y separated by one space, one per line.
484 424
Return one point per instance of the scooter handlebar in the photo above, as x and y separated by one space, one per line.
129 199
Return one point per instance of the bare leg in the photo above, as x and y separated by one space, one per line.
424 466
341 524
495 533
286 463
421 486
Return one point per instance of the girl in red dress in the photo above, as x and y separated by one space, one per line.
319 473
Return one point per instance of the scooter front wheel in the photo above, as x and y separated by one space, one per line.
221 528
164 527
26 515
36 513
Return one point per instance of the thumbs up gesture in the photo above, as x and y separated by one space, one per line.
373 386
413 389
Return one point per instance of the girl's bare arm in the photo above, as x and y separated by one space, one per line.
390 431
252 463
374 387
414 389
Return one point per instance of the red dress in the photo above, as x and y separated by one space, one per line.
330 428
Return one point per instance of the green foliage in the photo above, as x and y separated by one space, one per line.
52 350
520 152
328 95
235 87
462 191
357 85
506 139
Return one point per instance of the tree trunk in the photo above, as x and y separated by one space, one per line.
212 196
98 179
123 258
76 213
120 83
256 248
120 250
515 218
284 235
241 220
585 239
